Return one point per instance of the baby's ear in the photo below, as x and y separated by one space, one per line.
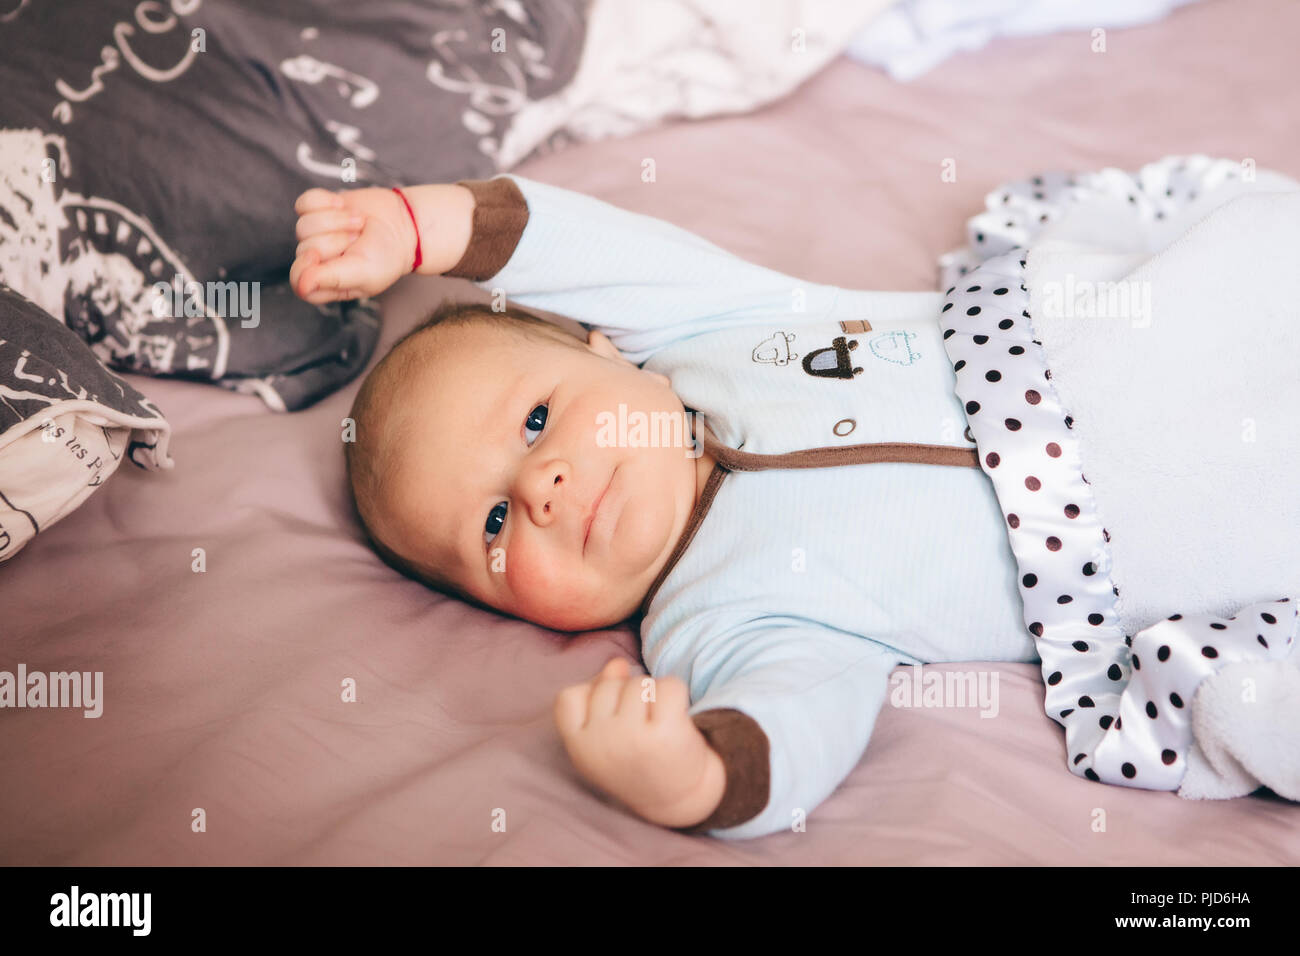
598 343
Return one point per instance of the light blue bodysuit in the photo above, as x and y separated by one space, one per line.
801 587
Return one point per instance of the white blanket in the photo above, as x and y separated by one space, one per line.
1186 404
1127 354
1246 719
653 60
916 35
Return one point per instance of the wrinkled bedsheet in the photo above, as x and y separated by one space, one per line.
224 688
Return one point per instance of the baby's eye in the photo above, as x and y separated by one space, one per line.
535 422
496 518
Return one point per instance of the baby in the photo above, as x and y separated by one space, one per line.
501 459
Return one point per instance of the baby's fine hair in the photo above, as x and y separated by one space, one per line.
369 457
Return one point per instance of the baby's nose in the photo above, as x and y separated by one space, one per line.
546 494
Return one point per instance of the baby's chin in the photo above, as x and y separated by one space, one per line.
581 615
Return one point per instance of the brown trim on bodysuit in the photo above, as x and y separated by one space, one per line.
733 459
832 455
692 525
500 215
737 738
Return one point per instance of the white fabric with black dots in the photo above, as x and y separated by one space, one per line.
1124 700
1163 197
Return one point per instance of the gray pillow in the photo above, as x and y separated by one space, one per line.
140 142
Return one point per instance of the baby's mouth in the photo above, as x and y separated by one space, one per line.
595 509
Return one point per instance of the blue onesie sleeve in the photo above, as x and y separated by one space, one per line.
814 691
642 282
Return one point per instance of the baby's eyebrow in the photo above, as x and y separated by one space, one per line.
489 427
462 533
504 408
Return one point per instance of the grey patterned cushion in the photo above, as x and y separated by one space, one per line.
66 422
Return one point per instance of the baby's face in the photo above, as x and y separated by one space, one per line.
508 483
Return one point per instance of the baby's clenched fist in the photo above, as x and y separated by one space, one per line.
633 738
359 242
351 244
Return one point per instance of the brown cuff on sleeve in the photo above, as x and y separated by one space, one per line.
500 214
740 742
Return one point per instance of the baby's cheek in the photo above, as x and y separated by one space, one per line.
541 580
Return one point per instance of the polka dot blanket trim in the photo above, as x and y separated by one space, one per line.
1017 212
1122 699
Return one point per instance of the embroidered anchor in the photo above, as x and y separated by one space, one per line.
818 363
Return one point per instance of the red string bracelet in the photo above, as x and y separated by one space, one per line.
418 257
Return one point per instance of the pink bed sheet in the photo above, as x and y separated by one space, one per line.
223 688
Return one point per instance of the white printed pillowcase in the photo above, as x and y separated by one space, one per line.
66 422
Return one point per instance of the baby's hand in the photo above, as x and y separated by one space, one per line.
633 738
352 244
